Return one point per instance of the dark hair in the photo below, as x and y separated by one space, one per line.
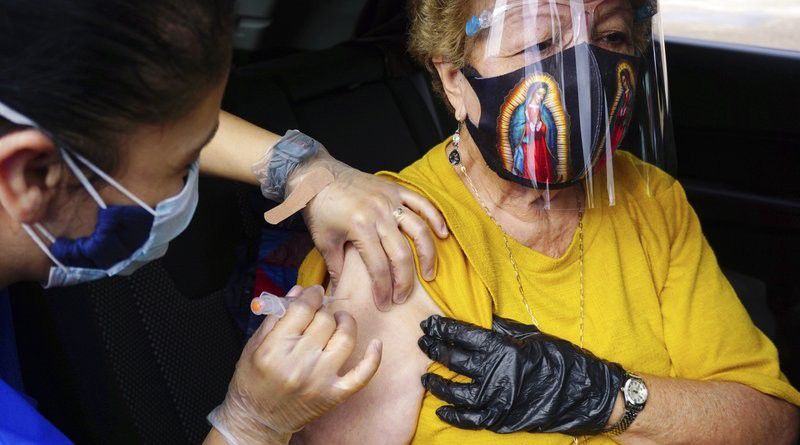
88 71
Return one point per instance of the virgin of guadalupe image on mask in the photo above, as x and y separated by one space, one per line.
533 131
622 109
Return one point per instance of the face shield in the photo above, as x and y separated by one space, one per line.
561 86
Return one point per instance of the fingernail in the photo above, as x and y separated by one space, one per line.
443 230
295 291
428 275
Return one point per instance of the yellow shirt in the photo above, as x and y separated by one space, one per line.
655 299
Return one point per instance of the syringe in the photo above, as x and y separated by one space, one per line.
270 304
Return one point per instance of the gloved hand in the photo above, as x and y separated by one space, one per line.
361 209
523 379
287 375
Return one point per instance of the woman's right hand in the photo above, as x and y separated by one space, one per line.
288 376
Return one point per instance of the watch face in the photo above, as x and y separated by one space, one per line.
636 391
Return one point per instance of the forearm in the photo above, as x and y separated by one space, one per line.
239 144
688 411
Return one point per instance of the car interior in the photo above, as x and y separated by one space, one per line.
144 359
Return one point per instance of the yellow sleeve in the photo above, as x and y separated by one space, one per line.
313 270
708 332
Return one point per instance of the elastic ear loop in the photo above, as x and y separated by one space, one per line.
15 117
20 119
46 233
92 192
113 182
36 239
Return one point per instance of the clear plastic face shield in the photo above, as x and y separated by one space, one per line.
561 86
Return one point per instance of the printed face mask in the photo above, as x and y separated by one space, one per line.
125 237
547 125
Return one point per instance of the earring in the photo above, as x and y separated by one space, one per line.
455 156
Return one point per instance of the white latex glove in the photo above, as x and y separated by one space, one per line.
287 375
361 209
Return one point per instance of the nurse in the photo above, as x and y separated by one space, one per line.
109 111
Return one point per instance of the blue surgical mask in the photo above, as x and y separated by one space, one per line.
125 237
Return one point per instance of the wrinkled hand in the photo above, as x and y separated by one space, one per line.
287 375
359 208
523 379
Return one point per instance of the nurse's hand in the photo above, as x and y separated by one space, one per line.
373 214
288 376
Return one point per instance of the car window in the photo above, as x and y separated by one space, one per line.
765 23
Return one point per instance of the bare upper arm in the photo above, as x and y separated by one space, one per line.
386 410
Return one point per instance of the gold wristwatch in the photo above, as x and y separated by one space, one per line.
635 393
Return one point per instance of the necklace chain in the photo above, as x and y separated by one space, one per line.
455 159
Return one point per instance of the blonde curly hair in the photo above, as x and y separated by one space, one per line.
438 30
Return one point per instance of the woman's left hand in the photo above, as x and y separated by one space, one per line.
523 379
373 214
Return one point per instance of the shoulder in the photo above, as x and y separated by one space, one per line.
651 195
638 178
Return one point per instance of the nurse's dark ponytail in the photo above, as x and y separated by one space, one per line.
91 70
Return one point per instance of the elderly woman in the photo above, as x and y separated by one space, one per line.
609 314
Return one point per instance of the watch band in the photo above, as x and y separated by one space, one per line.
632 410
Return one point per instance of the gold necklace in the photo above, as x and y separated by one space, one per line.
455 160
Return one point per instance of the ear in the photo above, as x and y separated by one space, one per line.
30 171
459 92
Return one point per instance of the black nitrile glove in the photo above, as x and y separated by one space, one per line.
523 379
